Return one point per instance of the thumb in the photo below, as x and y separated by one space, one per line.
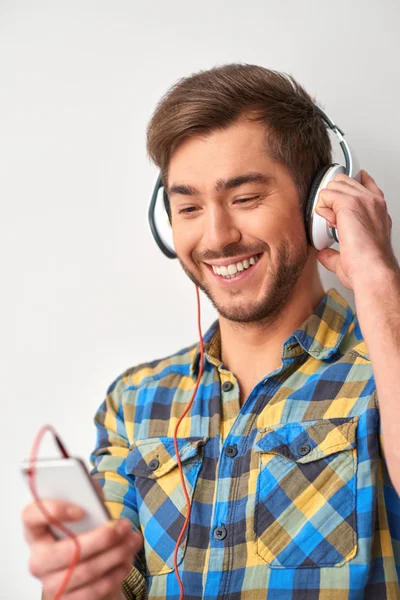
328 258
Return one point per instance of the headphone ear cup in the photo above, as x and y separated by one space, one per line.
311 199
160 220
320 234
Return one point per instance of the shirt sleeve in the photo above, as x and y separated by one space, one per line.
108 460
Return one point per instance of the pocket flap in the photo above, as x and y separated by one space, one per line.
155 457
308 440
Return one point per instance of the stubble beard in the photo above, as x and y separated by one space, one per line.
279 288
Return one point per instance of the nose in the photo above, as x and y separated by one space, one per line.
220 229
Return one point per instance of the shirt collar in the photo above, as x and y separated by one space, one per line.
319 335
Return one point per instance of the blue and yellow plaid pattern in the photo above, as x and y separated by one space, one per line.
290 493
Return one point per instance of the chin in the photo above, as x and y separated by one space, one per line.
242 312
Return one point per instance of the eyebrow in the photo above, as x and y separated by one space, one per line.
222 185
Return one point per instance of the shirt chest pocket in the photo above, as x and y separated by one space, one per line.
305 507
160 498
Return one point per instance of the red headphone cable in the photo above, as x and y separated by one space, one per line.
181 594
52 520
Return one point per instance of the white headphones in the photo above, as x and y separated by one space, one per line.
319 234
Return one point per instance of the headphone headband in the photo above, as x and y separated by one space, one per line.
351 165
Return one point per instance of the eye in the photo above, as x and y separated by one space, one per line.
245 200
187 210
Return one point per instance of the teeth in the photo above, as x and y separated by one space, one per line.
231 270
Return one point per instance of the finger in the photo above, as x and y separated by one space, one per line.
347 185
329 259
42 534
108 585
328 215
346 180
390 226
324 207
329 198
94 568
32 516
48 558
36 524
344 188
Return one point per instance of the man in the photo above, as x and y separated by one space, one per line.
291 493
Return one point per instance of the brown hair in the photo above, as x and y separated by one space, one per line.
214 99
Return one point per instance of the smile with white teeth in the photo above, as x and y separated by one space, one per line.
232 270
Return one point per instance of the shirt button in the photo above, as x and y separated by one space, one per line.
304 449
220 533
227 386
154 464
231 451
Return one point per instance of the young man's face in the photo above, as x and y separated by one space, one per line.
236 220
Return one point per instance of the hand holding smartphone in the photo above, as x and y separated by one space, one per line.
68 479
108 547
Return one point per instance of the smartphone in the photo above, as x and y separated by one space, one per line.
69 480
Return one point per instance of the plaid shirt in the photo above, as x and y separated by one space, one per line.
290 494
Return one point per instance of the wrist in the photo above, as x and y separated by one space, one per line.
378 279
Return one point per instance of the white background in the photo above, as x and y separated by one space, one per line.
85 292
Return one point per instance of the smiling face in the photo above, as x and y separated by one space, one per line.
236 220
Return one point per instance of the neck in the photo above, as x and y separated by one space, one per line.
252 350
